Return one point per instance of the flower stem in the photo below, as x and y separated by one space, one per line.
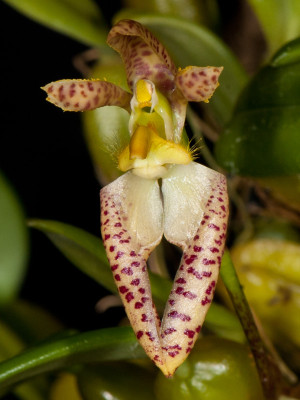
267 369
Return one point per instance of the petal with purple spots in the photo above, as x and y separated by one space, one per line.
198 83
83 95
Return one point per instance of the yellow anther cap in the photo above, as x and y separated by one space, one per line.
143 92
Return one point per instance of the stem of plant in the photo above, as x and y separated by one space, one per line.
266 367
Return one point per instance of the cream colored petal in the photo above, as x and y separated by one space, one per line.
196 212
131 227
83 95
198 83
143 55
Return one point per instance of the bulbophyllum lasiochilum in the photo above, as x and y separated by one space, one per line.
162 192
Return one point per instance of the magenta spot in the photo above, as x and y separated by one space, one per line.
188 350
111 248
105 212
218 242
114 267
135 264
180 280
144 299
169 331
129 296
123 289
214 250
117 225
220 199
172 302
119 255
106 237
205 301
127 271
176 314
191 259
142 290
196 237
139 334
135 282
173 353
132 254
117 277
189 333
206 274
138 305
150 336
198 329
124 241
210 288
90 86
179 290
144 318
206 261
106 222
213 226
197 249
189 295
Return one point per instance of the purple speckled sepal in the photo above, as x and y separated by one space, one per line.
143 55
83 95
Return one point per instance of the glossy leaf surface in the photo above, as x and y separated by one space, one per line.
279 19
99 382
262 139
205 12
80 20
94 346
217 369
191 44
13 242
270 273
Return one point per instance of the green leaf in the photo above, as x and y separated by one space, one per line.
205 12
191 44
21 317
279 19
84 250
78 19
94 346
87 253
13 242
262 139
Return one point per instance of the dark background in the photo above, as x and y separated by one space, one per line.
44 156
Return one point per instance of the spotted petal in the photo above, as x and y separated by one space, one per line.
195 218
198 83
143 55
132 226
83 95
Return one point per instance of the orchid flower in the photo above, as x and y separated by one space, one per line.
162 192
